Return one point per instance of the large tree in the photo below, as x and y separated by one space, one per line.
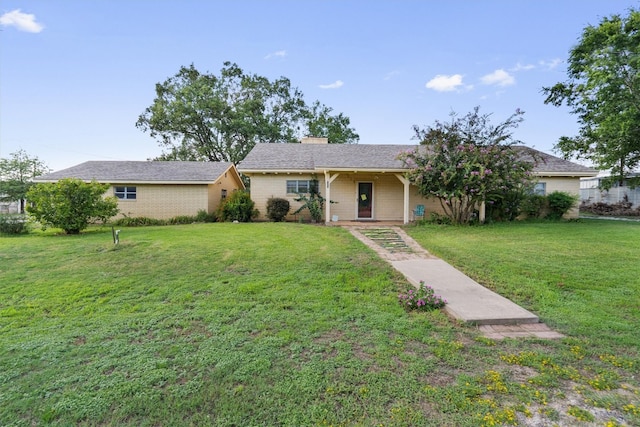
70 204
16 175
603 90
466 162
201 116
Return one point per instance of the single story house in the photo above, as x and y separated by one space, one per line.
158 189
367 181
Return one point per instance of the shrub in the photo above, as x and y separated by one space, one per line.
139 221
314 203
277 209
70 204
533 205
422 299
181 219
238 207
559 204
13 224
204 216
436 218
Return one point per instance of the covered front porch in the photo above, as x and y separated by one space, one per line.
367 196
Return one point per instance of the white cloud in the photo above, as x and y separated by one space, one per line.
334 85
444 83
22 21
498 77
276 54
550 65
391 74
522 67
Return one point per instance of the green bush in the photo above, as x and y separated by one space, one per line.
204 216
182 219
277 209
139 221
559 204
238 207
533 205
436 218
13 224
71 204
314 203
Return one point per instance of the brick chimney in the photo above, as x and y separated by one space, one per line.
314 140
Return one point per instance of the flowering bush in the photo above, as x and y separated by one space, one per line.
468 162
424 299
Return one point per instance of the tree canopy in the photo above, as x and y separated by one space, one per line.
466 162
603 90
70 204
16 175
201 116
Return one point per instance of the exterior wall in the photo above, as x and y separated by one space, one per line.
388 197
566 184
431 205
164 201
266 186
388 194
225 182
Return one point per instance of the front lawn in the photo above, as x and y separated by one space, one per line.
298 325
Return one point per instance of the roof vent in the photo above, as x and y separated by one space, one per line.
314 140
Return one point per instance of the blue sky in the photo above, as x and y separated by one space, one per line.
75 75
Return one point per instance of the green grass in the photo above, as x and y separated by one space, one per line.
290 324
580 277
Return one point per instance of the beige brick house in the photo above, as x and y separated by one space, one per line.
158 189
366 181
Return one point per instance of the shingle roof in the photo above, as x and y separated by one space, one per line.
546 163
132 171
310 157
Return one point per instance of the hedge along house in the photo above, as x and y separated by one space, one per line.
367 182
159 189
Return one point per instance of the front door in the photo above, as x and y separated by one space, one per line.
365 200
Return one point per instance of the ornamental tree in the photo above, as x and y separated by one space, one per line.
603 91
466 162
70 204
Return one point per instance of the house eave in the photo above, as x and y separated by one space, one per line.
318 170
276 171
134 181
565 174
359 170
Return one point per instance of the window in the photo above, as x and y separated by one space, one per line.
302 186
125 193
540 189
223 194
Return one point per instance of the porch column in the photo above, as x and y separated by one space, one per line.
482 213
328 179
406 184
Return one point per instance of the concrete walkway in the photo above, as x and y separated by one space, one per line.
467 300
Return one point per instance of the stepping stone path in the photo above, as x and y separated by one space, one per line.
387 238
